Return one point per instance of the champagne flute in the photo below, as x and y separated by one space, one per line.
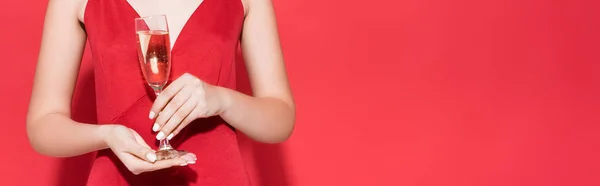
154 54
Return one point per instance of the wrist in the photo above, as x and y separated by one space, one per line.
103 133
224 98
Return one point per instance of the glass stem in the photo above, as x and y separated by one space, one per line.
164 143
157 91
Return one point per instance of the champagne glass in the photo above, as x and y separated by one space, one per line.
154 54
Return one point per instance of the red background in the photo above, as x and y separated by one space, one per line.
413 92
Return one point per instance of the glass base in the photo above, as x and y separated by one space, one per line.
169 154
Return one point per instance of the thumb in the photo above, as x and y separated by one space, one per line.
141 152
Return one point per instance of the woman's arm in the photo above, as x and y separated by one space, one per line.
268 116
50 129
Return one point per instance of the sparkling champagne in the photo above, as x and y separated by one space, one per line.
154 56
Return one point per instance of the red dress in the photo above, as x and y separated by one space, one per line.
206 48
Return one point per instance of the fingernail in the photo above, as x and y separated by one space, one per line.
160 135
170 136
151 157
151 115
183 164
155 127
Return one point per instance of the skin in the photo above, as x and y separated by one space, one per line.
267 116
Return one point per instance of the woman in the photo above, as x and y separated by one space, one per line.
199 109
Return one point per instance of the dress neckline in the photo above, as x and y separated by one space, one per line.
183 29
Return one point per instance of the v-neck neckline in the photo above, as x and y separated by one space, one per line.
181 32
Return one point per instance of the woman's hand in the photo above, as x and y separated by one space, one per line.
183 101
135 154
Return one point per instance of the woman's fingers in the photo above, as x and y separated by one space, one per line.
179 100
175 105
187 120
144 153
189 157
137 166
167 94
178 117
163 164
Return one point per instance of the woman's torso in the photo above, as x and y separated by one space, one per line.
205 46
